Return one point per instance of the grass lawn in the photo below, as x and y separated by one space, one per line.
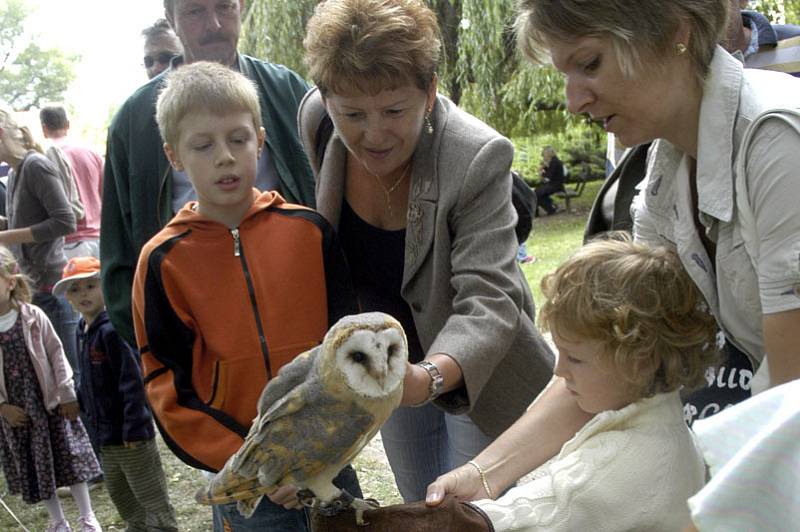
553 239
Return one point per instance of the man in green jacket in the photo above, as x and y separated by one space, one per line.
141 192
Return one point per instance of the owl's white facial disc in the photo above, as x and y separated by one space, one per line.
373 363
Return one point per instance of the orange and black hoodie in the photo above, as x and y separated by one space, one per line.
217 312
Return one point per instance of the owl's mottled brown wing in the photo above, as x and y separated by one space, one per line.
300 431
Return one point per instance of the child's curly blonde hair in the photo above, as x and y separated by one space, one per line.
642 305
9 270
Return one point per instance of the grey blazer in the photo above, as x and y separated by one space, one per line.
461 280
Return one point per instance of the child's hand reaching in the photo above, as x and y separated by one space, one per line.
70 410
15 416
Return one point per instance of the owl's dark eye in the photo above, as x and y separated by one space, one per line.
358 357
391 350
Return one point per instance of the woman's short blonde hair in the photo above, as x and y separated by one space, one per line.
205 87
9 270
642 305
641 31
371 45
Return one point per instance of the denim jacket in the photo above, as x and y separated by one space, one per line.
738 288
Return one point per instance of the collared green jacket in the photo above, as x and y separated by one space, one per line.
137 184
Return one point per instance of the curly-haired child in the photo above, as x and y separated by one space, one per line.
631 330
43 444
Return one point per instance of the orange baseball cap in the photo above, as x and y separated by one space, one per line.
77 268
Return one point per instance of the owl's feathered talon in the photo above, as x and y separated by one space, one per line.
361 506
306 497
337 505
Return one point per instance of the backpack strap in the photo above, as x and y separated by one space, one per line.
743 208
324 132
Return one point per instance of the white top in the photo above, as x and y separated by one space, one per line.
738 288
8 320
628 469
753 451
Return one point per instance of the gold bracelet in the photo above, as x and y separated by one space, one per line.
483 478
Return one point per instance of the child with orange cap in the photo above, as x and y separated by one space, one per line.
113 406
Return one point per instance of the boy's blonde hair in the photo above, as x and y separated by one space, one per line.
9 269
642 305
203 87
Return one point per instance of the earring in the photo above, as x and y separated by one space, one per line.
681 48
428 123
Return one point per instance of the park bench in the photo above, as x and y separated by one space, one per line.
572 192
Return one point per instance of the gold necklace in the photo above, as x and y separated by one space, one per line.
388 190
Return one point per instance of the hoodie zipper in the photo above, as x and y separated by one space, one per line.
237 246
238 251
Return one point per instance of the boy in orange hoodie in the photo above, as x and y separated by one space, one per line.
233 288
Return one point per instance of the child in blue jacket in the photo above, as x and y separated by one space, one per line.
113 405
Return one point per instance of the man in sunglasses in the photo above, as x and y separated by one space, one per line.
160 46
141 192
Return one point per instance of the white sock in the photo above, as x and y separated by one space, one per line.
80 492
53 506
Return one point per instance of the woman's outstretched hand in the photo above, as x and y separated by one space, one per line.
463 482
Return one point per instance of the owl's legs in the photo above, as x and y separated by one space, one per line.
306 497
331 506
361 506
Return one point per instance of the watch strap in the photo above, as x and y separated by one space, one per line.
437 380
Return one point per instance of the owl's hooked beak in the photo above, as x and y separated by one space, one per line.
381 374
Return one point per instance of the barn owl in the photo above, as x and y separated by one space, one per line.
317 415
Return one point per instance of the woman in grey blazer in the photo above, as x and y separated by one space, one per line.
420 192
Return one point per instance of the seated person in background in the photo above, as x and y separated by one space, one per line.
524 200
233 288
552 180
631 329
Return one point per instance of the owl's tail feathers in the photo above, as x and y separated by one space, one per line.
227 487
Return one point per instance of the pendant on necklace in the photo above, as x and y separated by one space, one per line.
388 190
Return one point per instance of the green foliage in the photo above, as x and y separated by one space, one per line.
499 85
773 9
792 11
481 69
778 11
274 30
29 74
555 238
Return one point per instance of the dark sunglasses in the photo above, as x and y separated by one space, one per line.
162 57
